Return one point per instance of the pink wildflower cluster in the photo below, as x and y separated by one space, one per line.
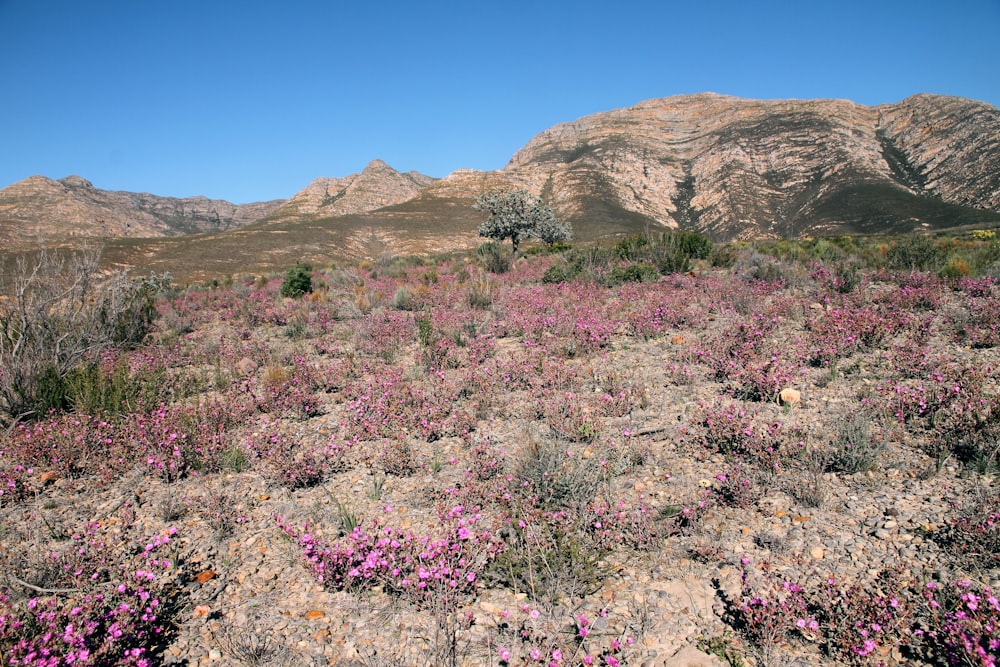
113 616
529 637
962 624
423 569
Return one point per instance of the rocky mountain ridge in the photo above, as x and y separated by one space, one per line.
71 207
378 186
736 168
732 168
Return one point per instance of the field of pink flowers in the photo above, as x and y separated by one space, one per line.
503 457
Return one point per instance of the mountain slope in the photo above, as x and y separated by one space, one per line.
736 168
39 207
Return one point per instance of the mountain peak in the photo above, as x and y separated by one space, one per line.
377 186
75 181
377 165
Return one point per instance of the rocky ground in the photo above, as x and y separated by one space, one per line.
244 594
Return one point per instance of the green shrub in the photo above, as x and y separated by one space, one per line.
550 564
638 272
629 248
559 273
855 448
693 244
915 253
424 330
298 281
670 259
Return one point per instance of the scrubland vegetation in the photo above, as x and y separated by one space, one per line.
500 447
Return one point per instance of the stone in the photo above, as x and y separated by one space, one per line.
49 477
790 397
314 614
204 576
246 365
690 656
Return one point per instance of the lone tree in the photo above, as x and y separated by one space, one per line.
518 215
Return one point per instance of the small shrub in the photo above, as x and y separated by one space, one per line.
480 293
495 260
545 558
639 272
763 268
855 449
724 256
767 614
915 252
119 610
860 620
558 273
402 299
735 487
297 282
973 536
424 330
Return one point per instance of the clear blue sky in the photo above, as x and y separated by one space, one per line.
250 101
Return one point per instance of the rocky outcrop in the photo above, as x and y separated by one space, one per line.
948 147
55 210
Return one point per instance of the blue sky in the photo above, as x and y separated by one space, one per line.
250 101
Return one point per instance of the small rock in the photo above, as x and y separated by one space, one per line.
817 552
204 576
689 656
790 397
313 614
246 365
49 477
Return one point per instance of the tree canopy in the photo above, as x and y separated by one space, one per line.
519 215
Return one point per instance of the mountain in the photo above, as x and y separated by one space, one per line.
71 207
731 168
736 168
378 186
